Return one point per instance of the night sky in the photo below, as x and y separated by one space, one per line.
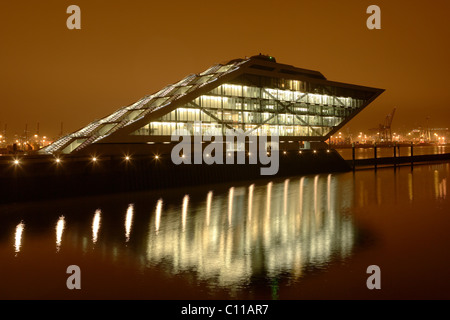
128 49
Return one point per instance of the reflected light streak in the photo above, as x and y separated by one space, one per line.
96 225
230 205
410 186
184 211
268 199
316 179
250 201
443 188
129 221
18 236
329 193
208 207
361 193
59 231
378 188
436 184
317 204
300 199
158 214
286 186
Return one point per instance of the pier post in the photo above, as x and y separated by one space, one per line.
375 154
353 156
412 154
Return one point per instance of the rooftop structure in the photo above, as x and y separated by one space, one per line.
256 94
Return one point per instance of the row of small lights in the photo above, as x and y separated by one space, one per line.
156 157
284 152
229 154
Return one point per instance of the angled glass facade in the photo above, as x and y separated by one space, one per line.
281 106
256 95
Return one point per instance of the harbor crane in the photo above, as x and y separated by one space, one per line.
384 129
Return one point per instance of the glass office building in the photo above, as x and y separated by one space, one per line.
256 95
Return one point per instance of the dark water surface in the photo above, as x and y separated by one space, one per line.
309 237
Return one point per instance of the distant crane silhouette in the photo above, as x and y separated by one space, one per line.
384 129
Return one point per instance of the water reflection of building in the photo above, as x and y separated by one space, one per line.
228 238
256 230
403 184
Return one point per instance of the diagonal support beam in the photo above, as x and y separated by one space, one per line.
286 108
331 94
263 123
196 106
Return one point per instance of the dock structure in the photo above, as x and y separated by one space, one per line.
395 160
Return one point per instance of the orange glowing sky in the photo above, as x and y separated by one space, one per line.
127 49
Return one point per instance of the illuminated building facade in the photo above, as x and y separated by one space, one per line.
256 94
